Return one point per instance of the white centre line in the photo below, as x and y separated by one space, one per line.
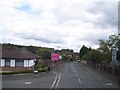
55 72
109 84
54 81
79 80
74 70
77 75
58 80
27 82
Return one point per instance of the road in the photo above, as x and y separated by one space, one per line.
66 75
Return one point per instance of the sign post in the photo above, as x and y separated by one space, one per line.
60 57
114 57
114 54
54 57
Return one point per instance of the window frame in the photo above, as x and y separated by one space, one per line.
7 62
19 63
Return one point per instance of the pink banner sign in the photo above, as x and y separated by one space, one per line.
54 56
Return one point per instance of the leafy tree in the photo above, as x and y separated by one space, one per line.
96 56
118 53
113 41
45 53
105 46
87 56
83 51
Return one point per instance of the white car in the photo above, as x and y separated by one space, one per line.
78 60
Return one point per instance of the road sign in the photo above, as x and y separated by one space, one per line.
54 56
60 57
114 54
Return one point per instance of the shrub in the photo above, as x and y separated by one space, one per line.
42 69
39 66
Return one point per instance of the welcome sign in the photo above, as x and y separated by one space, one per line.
54 56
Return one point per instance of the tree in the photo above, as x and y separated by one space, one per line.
105 46
103 53
96 56
83 51
45 53
118 53
113 41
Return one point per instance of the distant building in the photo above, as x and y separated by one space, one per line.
17 59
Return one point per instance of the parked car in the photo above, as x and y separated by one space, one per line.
78 60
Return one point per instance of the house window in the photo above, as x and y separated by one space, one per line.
7 62
19 63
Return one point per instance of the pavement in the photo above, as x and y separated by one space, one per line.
66 75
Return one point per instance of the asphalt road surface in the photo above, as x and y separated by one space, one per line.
66 75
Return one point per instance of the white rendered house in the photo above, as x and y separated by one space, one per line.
17 59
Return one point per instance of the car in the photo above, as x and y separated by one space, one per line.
78 60
35 71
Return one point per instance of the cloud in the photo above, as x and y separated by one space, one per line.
41 38
68 24
24 7
108 14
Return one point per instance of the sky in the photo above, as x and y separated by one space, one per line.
52 23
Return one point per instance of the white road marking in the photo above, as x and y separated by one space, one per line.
109 84
28 82
77 75
79 80
58 80
55 72
74 70
54 81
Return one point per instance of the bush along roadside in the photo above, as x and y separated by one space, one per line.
41 68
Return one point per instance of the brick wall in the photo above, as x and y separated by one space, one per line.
16 68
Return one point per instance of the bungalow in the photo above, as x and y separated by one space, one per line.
17 59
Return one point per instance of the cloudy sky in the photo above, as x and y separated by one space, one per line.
51 23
